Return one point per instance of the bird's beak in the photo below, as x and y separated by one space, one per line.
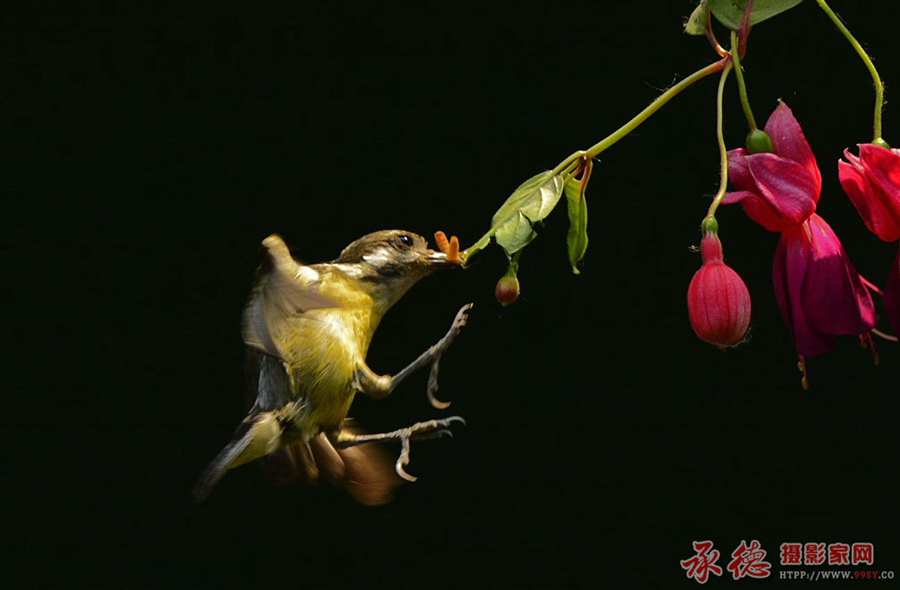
439 260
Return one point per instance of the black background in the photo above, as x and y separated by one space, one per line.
148 150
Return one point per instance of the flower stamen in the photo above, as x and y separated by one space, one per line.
865 341
804 379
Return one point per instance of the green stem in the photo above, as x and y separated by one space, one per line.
654 106
876 79
514 263
723 152
575 160
742 87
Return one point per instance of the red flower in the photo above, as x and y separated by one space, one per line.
779 190
872 181
819 292
718 300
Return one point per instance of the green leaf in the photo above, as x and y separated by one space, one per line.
731 12
515 234
577 238
535 199
531 202
696 23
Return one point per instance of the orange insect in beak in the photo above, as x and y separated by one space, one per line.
448 247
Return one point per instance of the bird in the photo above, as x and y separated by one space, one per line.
307 329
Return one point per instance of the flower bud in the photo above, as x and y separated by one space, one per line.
718 300
507 290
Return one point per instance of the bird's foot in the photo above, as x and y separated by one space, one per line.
418 431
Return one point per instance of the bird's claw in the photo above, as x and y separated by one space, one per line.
458 322
420 431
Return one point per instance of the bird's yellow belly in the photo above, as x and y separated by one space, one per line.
323 369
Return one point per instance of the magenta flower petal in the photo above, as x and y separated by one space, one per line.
739 168
790 142
786 188
736 197
834 296
788 274
819 292
872 181
778 191
853 179
884 166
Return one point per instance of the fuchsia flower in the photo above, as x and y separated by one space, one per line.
718 300
872 181
819 293
780 190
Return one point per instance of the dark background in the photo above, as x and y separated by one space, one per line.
148 150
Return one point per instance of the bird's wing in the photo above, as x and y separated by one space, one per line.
284 290
268 384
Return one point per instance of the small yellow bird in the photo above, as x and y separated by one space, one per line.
308 330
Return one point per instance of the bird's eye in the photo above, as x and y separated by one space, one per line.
405 240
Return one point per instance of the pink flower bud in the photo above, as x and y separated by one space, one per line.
718 300
507 290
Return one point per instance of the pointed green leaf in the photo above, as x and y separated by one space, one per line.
731 12
532 201
696 23
577 238
535 199
515 234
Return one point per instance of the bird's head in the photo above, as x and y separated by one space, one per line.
387 263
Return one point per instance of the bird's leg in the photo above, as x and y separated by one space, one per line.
379 386
418 431
433 355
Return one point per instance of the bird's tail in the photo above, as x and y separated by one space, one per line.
257 436
365 472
